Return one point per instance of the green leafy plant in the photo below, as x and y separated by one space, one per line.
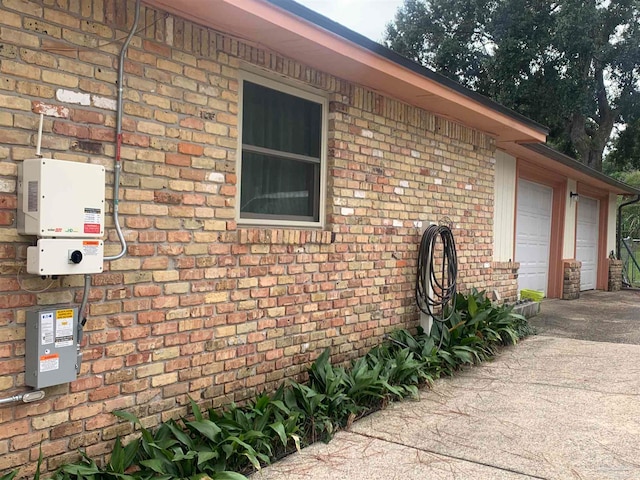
261 430
332 382
87 469
219 444
365 384
400 368
188 451
312 406
475 330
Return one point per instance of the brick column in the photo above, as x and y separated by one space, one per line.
615 275
505 280
571 284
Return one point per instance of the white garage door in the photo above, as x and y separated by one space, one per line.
533 235
587 242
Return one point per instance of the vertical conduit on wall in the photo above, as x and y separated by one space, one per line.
117 166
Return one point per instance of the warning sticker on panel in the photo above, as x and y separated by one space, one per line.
90 247
66 313
46 328
64 328
49 363
92 220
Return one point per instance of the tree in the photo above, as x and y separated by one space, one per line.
630 219
625 153
573 65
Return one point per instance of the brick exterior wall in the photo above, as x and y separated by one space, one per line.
201 306
505 280
571 280
615 275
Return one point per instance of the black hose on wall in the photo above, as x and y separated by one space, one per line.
436 289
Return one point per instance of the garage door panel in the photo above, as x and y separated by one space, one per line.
533 235
587 236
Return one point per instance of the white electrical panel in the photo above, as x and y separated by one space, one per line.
65 256
61 199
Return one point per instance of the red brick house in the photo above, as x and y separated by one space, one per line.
277 169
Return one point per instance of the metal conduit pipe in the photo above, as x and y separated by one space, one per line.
119 114
619 225
118 163
26 397
83 305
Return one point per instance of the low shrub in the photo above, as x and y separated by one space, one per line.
225 445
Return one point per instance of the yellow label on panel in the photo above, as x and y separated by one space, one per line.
64 314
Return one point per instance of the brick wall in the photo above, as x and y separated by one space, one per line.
505 280
571 280
201 306
615 275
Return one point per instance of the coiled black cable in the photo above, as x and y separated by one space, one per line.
435 294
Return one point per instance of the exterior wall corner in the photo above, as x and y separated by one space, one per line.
505 280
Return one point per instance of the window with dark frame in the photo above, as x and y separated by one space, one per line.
281 155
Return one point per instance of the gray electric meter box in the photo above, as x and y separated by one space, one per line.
51 355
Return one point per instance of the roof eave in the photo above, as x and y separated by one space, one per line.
549 152
298 33
385 52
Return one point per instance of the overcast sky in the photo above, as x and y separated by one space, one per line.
368 17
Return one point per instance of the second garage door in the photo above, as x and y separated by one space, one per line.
533 235
587 242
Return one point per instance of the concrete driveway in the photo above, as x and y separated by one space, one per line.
561 405
596 316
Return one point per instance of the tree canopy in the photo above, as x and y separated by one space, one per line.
573 65
625 154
